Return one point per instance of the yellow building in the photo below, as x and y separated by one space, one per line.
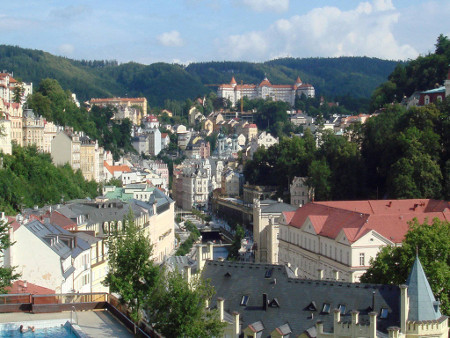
140 102
91 159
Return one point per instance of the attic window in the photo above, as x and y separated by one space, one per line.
311 306
268 273
384 313
244 300
342 308
326 308
227 274
274 303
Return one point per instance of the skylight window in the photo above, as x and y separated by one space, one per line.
326 308
244 300
384 313
342 309
268 273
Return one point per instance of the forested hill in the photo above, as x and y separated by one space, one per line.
354 76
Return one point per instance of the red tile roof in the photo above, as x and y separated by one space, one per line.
64 222
20 286
389 218
13 223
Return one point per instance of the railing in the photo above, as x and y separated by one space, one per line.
73 312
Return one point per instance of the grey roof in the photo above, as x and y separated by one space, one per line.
272 207
57 239
232 280
421 299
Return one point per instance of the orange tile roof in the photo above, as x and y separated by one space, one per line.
114 168
355 218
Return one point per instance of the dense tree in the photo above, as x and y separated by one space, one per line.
23 174
233 252
423 73
132 274
392 264
178 308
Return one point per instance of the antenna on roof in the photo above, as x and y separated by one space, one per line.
417 251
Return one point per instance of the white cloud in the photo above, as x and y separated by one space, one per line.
267 5
365 30
170 39
66 49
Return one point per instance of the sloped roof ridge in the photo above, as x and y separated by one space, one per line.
340 208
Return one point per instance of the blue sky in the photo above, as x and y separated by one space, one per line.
184 31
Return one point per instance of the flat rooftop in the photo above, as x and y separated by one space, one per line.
98 323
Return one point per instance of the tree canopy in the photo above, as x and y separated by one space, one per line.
432 242
178 308
29 178
397 154
132 273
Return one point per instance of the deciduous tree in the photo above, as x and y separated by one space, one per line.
132 274
392 264
178 308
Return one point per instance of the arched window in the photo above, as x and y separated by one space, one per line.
427 99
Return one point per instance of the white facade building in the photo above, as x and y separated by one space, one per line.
265 90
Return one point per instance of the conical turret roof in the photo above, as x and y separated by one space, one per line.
422 304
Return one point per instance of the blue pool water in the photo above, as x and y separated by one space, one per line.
54 332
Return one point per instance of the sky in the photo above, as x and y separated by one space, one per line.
184 31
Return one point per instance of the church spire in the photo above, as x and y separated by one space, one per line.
422 304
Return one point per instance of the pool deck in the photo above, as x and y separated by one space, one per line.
99 323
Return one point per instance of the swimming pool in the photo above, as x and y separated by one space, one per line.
58 328
54 332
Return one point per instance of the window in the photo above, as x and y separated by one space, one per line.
326 308
244 300
384 313
342 308
427 99
362 260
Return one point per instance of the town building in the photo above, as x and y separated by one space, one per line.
52 257
232 183
262 300
265 231
325 239
5 136
265 90
140 102
301 193
150 122
91 160
140 143
154 141
66 147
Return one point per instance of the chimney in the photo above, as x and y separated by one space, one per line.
355 317
220 302
320 275
25 284
264 301
337 317
373 325
200 261
404 307
336 274
237 329
373 300
210 250
188 273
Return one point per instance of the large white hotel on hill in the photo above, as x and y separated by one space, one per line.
233 91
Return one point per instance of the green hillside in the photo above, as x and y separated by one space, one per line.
353 76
